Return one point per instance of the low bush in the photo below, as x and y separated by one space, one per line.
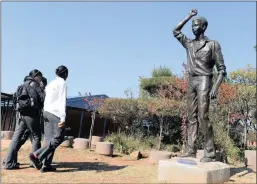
126 144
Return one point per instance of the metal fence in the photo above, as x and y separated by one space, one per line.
8 115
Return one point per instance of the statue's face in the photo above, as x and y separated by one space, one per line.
197 27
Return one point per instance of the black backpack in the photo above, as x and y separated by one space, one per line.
22 99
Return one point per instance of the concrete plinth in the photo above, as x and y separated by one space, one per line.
189 170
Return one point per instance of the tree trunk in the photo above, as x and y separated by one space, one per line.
245 136
92 128
81 123
160 136
228 121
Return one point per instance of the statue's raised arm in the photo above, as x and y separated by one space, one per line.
180 25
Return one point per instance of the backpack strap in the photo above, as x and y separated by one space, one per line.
28 91
38 92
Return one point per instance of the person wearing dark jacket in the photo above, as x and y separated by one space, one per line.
28 123
27 134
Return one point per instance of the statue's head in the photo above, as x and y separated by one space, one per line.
199 25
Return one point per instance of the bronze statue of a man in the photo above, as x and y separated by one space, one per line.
202 55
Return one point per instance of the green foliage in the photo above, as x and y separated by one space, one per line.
163 103
162 107
129 114
222 141
246 89
123 111
152 84
245 76
172 130
171 148
143 94
119 107
251 136
126 144
161 72
139 108
164 87
252 148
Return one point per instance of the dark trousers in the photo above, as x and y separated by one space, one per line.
54 136
27 125
198 102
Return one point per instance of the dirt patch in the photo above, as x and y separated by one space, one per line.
85 166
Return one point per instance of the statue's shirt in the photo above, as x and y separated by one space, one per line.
202 55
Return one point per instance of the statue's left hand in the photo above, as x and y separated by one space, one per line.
213 93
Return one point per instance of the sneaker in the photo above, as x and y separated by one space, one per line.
13 168
191 155
17 166
207 159
47 169
35 161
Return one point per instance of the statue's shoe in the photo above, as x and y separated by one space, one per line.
191 155
207 159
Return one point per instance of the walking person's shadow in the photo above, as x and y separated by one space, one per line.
86 166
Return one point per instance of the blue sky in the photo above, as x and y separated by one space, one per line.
108 45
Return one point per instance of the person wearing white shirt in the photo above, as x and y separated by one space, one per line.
54 120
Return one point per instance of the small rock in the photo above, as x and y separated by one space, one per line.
136 155
174 154
145 154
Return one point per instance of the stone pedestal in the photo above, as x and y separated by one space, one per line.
94 140
104 148
68 141
80 143
189 170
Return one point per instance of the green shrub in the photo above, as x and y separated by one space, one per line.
221 139
162 72
126 144
251 148
251 136
171 148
